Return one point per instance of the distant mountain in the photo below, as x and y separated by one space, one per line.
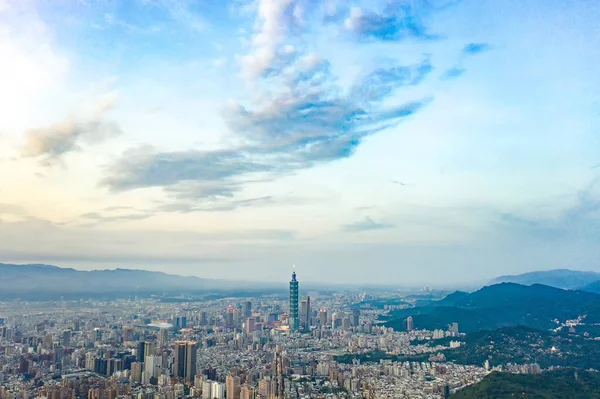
593 287
505 304
42 282
565 383
559 278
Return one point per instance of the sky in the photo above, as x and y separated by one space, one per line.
408 142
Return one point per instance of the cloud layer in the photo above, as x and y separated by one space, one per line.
51 143
300 118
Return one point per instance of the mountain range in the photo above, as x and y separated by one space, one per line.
559 278
42 282
500 305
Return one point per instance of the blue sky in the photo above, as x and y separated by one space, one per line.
415 142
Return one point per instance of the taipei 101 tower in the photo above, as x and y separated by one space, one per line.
294 322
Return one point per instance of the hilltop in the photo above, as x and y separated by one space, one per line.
506 304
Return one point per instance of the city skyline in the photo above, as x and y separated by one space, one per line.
384 142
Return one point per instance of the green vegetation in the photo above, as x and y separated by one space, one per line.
525 345
502 305
566 383
517 345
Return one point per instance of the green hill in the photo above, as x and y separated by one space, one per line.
517 345
565 384
502 305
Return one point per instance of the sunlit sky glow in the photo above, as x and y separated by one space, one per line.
399 141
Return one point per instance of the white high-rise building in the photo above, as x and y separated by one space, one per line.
218 390
207 389
153 365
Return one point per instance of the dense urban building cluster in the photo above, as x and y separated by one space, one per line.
264 347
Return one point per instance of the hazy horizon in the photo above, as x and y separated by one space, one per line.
380 142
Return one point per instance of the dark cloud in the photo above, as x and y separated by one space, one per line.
475 48
366 225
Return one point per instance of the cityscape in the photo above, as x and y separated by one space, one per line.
307 344
230 348
298 199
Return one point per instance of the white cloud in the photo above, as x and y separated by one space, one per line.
31 67
52 142
271 31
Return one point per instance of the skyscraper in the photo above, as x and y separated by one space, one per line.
250 325
149 348
323 318
355 317
247 392
163 336
232 387
305 313
153 365
184 364
293 318
248 309
229 317
410 324
66 337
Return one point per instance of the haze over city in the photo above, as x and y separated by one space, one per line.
413 142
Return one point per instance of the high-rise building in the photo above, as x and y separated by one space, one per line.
67 338
218 390
305 313
136 372
207 389
149 348
336 320
153 365
323 317
294 321
250 325
247 309
139 352
229 317
163 336
410 324
203 319
211 374
184 364
232 388
247 392
181 322
355 317
198 380
454 329
267 388
128 333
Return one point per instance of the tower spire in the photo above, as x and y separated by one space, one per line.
293 316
